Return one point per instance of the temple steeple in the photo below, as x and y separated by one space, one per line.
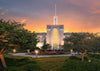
55 17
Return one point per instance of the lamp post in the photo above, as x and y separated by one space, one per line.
89 60
14 50
36 52
71 51
28 50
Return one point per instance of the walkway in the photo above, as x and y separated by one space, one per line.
34 56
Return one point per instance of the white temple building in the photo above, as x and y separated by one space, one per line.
49 36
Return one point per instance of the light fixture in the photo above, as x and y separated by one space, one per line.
14 50
36 52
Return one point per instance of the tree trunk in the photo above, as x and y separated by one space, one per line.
83 56
3 61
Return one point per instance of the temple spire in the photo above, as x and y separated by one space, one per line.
55 9
55 17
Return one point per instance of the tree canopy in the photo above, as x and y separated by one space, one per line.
82 41
16 35
45 45
13 35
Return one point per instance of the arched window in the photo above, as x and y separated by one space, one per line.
55 38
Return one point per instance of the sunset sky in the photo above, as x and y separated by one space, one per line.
75 15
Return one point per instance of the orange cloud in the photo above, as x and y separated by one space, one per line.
91 5
95 12
80 19
6 10
73 22
1 8
2 13
23 21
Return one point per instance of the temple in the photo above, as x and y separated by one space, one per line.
54 35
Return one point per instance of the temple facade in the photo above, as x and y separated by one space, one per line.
55 41
49 36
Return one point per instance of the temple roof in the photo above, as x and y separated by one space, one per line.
43 34
50 26
67 33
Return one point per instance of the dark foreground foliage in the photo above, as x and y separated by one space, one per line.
72 63
97 56
20 64
75 64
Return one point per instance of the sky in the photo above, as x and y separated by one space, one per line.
75 15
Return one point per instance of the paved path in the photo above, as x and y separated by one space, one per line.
34 56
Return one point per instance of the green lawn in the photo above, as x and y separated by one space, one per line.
51 63
20 64
72 63
75 64
15 63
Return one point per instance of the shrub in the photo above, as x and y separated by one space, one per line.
20 64
75 64
97 56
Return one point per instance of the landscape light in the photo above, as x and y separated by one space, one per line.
71 50
28 50
14 50
36 52
39 45
89 60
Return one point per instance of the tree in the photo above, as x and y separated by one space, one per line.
45 45
80 42
96 44
3 40
24 38
3 44
13 34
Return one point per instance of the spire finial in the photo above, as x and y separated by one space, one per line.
55 17
55 9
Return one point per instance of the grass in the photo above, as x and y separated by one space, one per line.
96 56
72 63
51 63
75 64
15 63
20 64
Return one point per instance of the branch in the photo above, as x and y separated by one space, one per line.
1 50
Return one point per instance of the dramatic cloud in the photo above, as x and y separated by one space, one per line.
23 21
2 13
75 15
0 8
